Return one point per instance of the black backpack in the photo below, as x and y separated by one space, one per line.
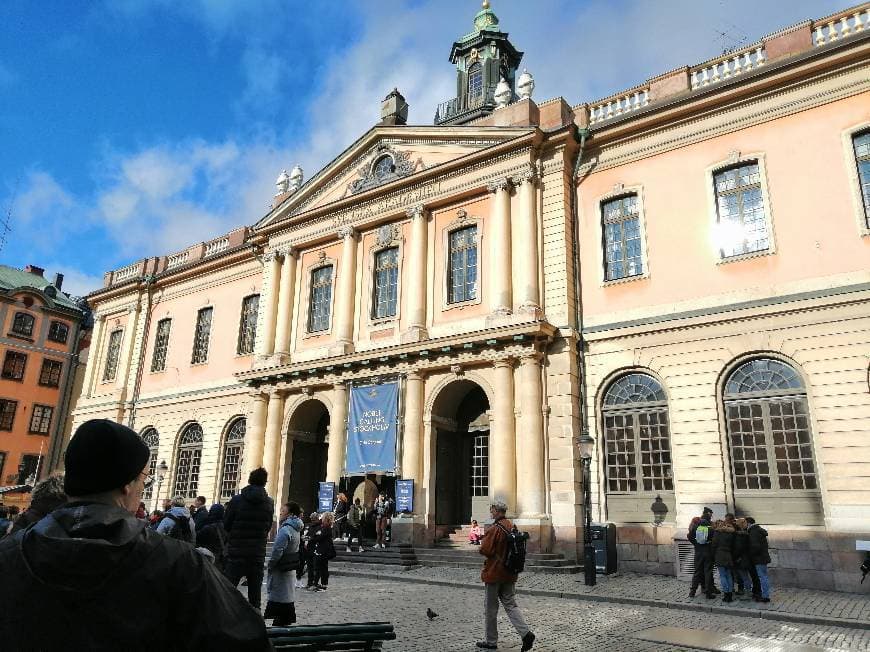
181 529
515 557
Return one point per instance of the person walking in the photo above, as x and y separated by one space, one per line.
247 521
212 536
723 556
355 518
176 523
47 496
500 582
383 510
760 557
91 576
323 551
701 536
281 580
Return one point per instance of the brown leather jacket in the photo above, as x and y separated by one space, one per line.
493 546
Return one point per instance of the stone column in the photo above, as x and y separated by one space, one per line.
417 269
500 296
255 431
502 455
412 438
528 293
346 282
272 444
337 434
265 345
94 352
530 439
285 302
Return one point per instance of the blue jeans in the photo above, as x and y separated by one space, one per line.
725 579
763 579
746 577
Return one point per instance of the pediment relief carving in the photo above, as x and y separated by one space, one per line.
383 165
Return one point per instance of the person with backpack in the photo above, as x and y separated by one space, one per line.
504 549
701 536
212 536
177 524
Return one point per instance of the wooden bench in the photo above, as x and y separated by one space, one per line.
350 637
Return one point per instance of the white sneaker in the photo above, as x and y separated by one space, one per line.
348 549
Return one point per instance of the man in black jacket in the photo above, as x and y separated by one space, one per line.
247 522
703 575
91 576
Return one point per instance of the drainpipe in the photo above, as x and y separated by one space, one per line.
146 327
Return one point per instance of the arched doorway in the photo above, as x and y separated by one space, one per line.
306 453
460 419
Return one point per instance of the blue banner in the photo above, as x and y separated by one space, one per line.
325 496
404 496
371 429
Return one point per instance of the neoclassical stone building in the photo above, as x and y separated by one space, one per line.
680 270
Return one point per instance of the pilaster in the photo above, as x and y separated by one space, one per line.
344 300
417 286
501 299
265 344
528 294
284 316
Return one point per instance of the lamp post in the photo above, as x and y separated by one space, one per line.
586 444
161 469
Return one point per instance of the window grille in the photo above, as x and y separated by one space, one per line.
386 283
248 324
22 324
113 352
636 436
161 345
320 303
49 375
623 255
13 365
462 265
233 448
740 209
861 144
40 419
58 332
479 475
201 336
152 441
187 467
768 424
475 85
7 414
383 167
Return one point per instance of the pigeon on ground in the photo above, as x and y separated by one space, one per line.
431 615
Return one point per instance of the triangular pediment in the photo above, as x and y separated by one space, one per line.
388 156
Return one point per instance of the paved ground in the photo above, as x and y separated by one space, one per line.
561 624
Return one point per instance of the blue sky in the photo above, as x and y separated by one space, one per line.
133 128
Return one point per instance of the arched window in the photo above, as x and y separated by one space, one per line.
187 466
475 84
152 441
383 167
232 469
768 426
636 436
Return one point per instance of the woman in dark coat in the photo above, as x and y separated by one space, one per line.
323 550
212 535
723 556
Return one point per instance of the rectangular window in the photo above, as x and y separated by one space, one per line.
248 324
462 265
623 255
742 225
201 336
113 353
22 324
161 345
386 283
861 143
13 365
7 414
40 419
50 373
478 484
28 467
320 301
58 332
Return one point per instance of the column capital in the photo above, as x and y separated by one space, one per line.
527 175
503 361
257 394
531 358
339 386
414 374
346 233
286 251
270 255
497 185
416 212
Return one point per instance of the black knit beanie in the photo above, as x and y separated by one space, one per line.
103 455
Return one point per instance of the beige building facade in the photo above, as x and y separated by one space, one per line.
679 270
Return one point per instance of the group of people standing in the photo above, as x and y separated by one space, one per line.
351 518
738 548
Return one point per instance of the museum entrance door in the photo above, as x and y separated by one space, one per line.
307 453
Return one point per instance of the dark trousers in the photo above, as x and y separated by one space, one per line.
703 575
321 571
312 571
252 569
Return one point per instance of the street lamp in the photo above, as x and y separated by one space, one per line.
161 470
586 444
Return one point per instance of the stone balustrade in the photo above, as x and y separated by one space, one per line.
126 273
617 105
216 246
841 25
176 260
727 66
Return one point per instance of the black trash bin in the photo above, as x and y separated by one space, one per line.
604 545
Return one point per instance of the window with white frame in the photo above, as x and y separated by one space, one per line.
475 85
231 474
40 419
620 225
248 325
113 354
152 441
320 299
741 220
49 375
187 466
861 145
201 336
462 265
161 345
386 283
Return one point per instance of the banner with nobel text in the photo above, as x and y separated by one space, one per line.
372 429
